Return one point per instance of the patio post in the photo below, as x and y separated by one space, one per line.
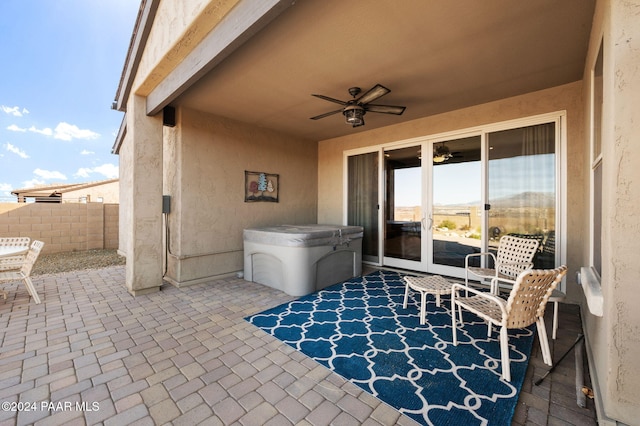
141 198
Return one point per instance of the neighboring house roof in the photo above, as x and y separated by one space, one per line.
57 189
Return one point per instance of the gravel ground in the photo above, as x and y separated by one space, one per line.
76 260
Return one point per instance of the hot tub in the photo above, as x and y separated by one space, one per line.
300 259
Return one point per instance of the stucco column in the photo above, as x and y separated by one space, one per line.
144 203
621 217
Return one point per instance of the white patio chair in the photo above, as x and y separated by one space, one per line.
526 305
24 272
514 255
13 262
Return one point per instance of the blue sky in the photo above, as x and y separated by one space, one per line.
60 68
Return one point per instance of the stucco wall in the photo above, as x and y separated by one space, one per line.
614 338
205 162
178 27
126 193
564 98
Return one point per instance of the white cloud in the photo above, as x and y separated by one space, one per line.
109 171
5 192
46 131
47 174
16 150
32 183
15 128
66 132
15 111
86 152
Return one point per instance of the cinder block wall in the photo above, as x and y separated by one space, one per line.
62 227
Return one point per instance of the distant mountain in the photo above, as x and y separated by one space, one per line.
526 199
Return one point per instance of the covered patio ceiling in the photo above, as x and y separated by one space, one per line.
435 56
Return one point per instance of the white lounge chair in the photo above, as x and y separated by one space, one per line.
514 255
23 273
526 305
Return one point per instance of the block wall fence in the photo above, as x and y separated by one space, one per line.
62 227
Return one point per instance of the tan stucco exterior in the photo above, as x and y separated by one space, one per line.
201 162
186 21
205 162
614 338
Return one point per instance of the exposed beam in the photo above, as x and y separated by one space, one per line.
141 31
242 22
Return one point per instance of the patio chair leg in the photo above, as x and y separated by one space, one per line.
406 295
555 320
504 351
544 341
31 289
454 323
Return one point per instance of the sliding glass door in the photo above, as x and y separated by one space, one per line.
427 205
521 194
455 216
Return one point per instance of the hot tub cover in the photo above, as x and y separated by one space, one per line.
303 235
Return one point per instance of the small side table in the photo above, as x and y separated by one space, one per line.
433 284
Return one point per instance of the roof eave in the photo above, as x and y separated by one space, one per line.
141 30
122 132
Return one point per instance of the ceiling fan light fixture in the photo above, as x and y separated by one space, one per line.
354 115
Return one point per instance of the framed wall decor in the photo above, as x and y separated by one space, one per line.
261 186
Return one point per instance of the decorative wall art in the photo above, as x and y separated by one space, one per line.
260 186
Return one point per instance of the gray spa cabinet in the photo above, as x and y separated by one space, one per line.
301 259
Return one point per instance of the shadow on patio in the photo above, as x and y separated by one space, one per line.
91 353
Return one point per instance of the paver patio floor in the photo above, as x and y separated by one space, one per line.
91 353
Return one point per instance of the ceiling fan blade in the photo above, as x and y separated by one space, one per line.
326 98
326 114
385 109
374 93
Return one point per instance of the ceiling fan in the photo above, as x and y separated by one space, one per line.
355 109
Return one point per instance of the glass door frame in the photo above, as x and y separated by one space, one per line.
427 143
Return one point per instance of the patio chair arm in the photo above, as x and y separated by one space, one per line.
466 258
455 288
527 265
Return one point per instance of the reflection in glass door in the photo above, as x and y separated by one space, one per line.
403 208
456 209
522 188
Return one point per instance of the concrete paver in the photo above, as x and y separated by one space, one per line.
186 355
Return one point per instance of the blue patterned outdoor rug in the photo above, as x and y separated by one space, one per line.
360 330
